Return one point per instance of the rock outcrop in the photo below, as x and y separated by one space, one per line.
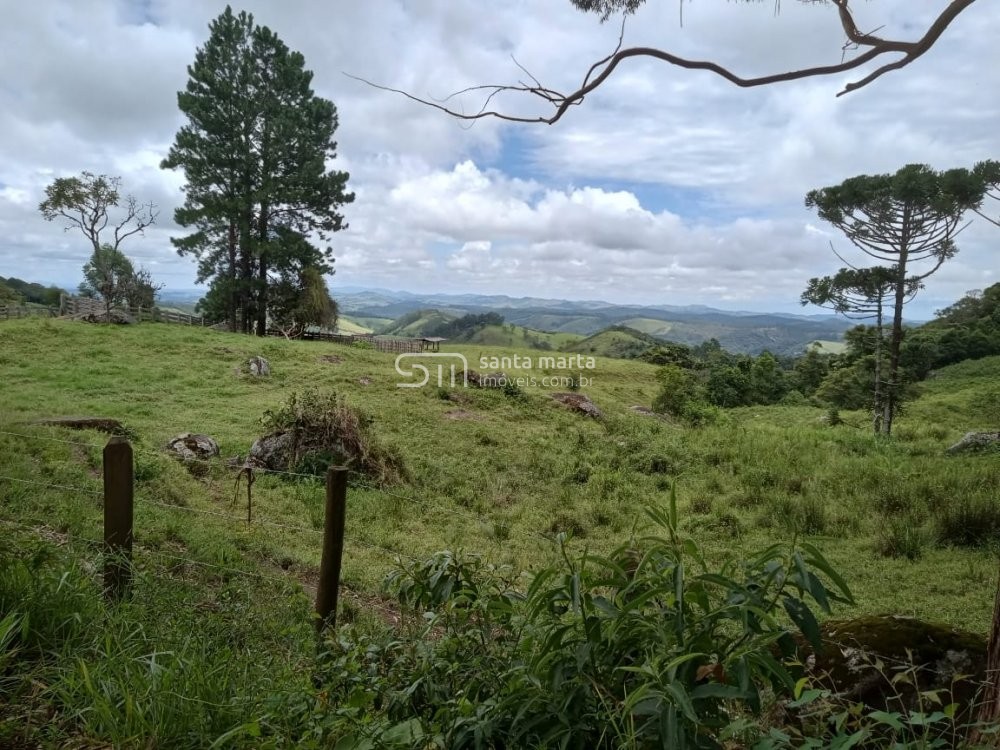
973 442
578 403
258 367
189 446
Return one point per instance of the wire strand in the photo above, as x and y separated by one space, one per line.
49 439
230 517
50 485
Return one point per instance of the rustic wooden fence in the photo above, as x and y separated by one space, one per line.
119 500
387 344
77 306
84 306
13 312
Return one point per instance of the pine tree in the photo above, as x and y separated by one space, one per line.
254 151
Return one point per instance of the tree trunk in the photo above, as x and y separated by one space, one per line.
262 274
877 416
246 271
232 304
892 398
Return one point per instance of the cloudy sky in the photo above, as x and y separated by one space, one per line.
666 186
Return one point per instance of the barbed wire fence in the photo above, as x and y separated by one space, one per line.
117 499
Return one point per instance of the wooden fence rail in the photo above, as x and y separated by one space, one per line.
379 343
83 306
75 306
13 312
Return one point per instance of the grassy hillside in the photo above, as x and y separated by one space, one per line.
492 473
509 336
373 324
614 342
829 347
348 326
417 323
660 328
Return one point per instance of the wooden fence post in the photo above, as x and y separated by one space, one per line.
333 548
118 496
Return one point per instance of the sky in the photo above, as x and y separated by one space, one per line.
666 186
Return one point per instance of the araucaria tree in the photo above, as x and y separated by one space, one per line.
862 293
908 220
255 151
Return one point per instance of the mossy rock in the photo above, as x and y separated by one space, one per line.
861 656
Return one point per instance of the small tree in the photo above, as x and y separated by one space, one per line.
302 302
141 290
86 204
907 218
107 274
862 293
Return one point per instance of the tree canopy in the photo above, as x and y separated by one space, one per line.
254 150
86 203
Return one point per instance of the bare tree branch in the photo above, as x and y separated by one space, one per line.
600 71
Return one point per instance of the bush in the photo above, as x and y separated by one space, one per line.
325 431
643 648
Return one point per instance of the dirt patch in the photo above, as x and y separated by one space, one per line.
101 424
461 414
365 381
331 359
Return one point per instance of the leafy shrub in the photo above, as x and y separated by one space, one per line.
511 389
646 647
794 398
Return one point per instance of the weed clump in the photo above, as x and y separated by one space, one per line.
968 522
314 430
901 537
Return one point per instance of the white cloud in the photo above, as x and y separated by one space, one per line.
594 206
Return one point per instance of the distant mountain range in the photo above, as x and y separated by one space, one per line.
744 332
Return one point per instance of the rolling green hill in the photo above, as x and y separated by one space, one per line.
738 332
417 323
225 606
348 326
619 341
651 326
372 324
518 337
829 347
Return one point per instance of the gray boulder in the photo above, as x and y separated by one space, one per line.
259 367
976 441
272 451
278 451
191 447
578 403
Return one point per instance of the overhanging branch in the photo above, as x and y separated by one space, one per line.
875 47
